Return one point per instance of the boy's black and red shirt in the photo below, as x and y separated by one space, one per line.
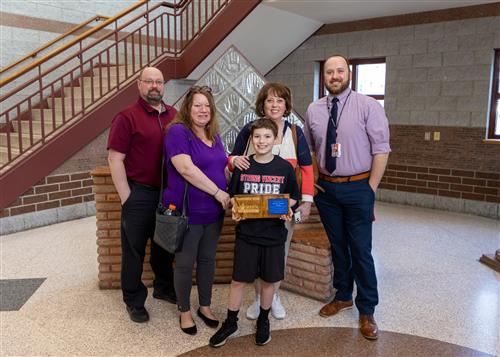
274 177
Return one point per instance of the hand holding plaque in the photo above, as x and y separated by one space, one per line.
261 206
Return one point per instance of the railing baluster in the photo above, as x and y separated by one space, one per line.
53 107
193 17
30 113
72 81
133 53
109 71
91 85
140 49
101 90
175 33
126 56
62 101
19 134
7 130
40 105
148 57
156 37
162 35
82 97
117 57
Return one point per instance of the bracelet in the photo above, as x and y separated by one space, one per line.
233 160
216 192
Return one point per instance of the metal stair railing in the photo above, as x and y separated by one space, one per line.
52 99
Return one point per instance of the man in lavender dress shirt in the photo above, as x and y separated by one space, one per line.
360 151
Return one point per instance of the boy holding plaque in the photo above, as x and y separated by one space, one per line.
259 250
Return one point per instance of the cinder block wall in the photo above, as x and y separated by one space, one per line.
437 80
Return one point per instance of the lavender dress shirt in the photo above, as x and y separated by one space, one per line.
362 131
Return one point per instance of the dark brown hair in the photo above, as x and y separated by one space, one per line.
184 114
277 89
264 123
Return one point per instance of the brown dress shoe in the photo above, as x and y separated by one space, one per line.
368 327
335 306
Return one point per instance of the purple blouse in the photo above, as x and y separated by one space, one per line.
202 207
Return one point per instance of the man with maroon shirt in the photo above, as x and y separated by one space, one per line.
135 152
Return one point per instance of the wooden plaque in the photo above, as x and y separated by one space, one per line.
261 206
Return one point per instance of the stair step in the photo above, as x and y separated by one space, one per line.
4 156
14 139
48 114
103 71
88 82
37 127
57 102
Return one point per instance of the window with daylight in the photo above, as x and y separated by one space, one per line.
494 113
368 77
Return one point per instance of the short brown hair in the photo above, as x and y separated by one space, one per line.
184 114
343 57
264 123
279 90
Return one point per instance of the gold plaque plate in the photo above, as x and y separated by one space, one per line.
257 206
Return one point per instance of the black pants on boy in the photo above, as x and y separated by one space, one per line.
137 226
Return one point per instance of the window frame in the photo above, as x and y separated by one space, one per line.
354 64
494 97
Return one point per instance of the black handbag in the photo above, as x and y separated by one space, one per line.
170 229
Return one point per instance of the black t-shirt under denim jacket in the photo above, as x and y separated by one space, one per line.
276 176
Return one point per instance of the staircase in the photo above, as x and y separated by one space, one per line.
58 111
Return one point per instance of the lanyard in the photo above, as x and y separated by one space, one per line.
328 107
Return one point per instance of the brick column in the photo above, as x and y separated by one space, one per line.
309 268
108 213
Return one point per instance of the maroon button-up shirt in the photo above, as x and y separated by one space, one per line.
138 131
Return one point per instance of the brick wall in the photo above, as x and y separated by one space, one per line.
459 165
52 192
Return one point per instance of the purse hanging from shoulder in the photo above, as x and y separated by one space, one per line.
171 227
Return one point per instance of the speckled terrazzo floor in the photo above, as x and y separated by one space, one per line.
435 298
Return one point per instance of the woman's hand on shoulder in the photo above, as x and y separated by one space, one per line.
241 162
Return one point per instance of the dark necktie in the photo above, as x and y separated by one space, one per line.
331 137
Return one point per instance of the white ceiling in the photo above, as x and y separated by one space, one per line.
333 11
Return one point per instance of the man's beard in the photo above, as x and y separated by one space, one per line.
154 97
342 88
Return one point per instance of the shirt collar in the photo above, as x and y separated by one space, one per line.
342 96
147 107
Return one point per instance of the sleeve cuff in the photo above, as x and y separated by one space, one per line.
307 198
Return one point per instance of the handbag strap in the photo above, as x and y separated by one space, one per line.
185 199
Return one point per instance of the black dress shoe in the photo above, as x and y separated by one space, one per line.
168 296
138 314
189 330
208 321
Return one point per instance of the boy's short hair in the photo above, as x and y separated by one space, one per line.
264 123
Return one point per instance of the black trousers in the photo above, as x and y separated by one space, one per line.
137 226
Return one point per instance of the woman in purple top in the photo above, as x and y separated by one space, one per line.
194 153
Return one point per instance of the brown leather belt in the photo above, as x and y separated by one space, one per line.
339 179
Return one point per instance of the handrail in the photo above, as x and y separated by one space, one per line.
86 34
55 40
76 40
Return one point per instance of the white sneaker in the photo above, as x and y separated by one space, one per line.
277 310
253 310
